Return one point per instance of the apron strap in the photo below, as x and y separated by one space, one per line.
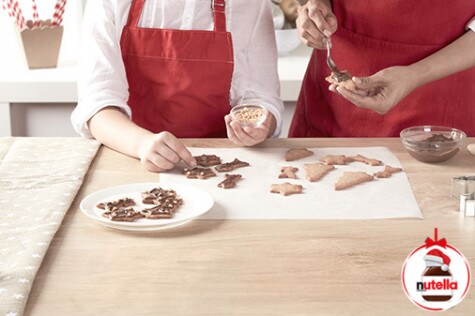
219 9
135 13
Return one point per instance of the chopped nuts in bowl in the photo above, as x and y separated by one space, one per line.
248 114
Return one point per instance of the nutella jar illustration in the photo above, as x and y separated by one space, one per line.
437 283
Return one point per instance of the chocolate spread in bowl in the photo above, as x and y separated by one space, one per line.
432 156
431 149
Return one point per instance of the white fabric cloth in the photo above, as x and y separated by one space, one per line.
39 178
103 81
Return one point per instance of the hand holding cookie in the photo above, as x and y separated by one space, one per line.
381 91
250 135
162 151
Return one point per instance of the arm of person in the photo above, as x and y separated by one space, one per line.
385 89
103 83
260 84
157 152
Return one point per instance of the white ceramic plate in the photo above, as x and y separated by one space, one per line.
196 202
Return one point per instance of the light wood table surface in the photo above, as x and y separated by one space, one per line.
249 267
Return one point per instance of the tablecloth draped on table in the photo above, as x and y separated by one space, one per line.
39 178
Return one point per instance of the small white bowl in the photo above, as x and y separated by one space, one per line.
287 40
259 114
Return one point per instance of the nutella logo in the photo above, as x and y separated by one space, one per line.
436 276
445 284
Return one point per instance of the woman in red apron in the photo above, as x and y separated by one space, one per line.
179 84
370 37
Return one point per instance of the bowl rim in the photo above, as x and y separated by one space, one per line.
244 105
442 129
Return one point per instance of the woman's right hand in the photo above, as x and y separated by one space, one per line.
315 22
162 151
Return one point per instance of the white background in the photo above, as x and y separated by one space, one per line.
416 266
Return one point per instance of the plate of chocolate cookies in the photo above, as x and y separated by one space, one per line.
146 206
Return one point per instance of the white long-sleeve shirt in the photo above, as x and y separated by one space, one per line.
103 81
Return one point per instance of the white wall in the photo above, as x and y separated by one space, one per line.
52 120
42 120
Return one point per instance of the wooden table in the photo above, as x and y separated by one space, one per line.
249 267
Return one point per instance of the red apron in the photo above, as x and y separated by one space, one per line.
179 80
373 35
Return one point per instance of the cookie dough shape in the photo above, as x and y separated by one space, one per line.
157 212
351 178
230 166
368 161
122 215
316 171
198 173
207 160
230 181
387 172
115 205
286 188
297 153
288 172
336 160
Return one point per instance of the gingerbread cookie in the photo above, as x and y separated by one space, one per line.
198 173
157 212
297 153
347 84
207 160
115 205
336 160
159 196
387 172
286 188
368 161
229 181
316 171
230 166
350 179
122 215
288 172
149 197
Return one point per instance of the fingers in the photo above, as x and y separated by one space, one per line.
247 136
308 31
310 41
163 151
373 103
151 166
363 82
243 137
315 14
230 131
176 146
322 15
160 161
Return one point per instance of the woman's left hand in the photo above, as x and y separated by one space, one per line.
249 135
381 91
